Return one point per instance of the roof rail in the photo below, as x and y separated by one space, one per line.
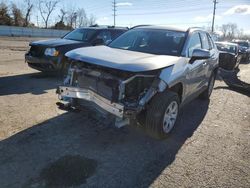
118 27
139 26
95 25
108 26
195 28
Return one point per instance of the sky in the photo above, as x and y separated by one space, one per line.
181 13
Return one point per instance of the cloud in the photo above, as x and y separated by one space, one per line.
238 9
247 32
124 4
207 18
101 20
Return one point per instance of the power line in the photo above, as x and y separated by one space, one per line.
164 12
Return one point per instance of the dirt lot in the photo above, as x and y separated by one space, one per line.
42 146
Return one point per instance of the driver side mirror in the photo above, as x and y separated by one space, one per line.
98 42
199 54
240 52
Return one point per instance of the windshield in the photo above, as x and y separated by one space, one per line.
153 41
226 48
80 35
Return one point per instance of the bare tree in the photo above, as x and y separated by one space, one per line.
5 18
29 7
18 19
229 30
62 15
71 18
92 20
240 33
82 19
46 7
224 30
233 29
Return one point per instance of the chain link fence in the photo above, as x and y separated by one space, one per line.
31 32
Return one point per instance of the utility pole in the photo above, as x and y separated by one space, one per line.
114 9
215 2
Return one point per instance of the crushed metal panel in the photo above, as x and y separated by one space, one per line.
74 92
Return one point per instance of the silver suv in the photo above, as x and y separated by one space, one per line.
145 75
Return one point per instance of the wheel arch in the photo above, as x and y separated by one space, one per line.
177 88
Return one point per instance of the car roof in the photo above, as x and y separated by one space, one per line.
160 27
104 28
187 29
225 42
239 40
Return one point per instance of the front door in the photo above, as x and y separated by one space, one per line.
195 75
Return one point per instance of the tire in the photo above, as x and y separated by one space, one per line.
205 95
63 68
156 114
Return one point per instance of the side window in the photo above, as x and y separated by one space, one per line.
204 41
116 33
210 41
105 36
194 43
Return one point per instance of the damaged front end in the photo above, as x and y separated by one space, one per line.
121 93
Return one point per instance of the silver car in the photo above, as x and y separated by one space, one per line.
145 75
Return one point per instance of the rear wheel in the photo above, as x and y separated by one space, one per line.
162 114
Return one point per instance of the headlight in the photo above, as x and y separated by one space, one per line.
136 86
28 50
51 52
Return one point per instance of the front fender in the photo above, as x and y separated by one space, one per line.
175 73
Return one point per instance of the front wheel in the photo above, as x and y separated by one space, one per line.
63 67
162 114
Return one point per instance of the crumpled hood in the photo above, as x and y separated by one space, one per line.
55 42
122 59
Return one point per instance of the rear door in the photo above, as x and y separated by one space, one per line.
207 44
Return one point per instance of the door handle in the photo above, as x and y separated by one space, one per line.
204 63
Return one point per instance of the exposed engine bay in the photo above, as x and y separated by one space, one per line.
121 93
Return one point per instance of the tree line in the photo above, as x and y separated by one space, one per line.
69 18
228 32
12 15
231 31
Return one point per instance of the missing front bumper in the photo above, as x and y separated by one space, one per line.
41 63
86 94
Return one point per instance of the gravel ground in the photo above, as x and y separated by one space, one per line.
209 147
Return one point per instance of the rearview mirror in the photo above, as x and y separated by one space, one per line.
199 54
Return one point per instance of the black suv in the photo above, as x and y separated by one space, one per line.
48 55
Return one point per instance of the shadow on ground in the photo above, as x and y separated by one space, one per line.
80 150
35 83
